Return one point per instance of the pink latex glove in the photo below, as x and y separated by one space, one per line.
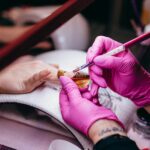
121 73
79 112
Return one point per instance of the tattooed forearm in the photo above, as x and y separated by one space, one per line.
112 130
105 128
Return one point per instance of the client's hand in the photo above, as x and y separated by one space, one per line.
121 73
23 77
79 112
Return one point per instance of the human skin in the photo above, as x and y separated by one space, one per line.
104 128
25 74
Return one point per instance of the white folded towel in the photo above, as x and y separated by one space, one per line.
46 98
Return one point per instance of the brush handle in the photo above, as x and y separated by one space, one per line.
137 40
110 53
119 49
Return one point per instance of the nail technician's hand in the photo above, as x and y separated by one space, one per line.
121 73
79 112
23 77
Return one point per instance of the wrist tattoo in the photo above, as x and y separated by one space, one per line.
108 130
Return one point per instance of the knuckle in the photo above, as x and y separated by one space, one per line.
26 87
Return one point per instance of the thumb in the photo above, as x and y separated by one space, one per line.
70 88
64 103
108 62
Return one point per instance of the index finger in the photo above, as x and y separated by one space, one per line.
101 45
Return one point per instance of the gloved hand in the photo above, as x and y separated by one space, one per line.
121 73
79 112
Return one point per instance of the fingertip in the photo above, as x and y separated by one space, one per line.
63 80
98 81
84 89
102 83
93 92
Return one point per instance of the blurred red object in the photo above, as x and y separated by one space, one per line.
21 45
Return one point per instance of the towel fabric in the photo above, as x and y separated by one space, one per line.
46 99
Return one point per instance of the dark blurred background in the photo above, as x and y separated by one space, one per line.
106 17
